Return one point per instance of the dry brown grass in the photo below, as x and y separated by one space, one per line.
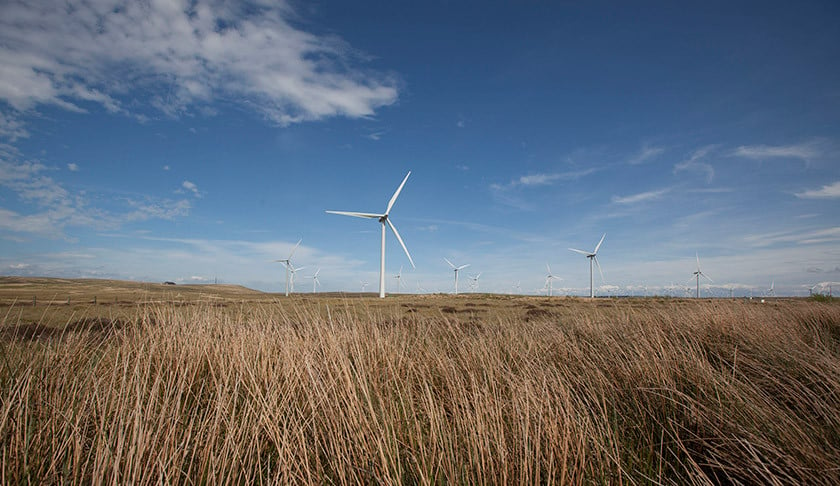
495 390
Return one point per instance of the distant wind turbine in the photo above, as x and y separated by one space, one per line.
315 281
593 257
287 262
771 292
364 286
398 276
474 282
518 287
697 274
294 272
549 277
456 269
383 220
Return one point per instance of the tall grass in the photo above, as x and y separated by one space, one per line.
329 392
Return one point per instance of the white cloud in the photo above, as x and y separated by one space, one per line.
693 164
186 54
640 197
830 191
165 167
646 154
11 128
802 151
73 167
189 186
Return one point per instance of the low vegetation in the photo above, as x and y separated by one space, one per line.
423 390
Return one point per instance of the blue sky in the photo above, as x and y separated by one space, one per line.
195 141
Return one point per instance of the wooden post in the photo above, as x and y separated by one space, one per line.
94 300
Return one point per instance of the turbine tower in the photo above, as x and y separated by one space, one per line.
593 257
456 269
771 292
383 220
549 277
287 263
697 274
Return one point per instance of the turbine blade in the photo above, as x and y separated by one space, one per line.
599 244
396 194
698 260
584 253
706 277
397 234
548 267
450 263
357 215
293 249
316 273
463 267
599 265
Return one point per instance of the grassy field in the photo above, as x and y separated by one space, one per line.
221 384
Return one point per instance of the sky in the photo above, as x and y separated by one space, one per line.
198 141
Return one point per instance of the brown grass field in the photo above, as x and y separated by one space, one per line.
221 384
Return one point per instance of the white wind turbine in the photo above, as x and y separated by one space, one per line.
549 277
364 286
398 276
456 269
315 281
697 274
593 257
383 220
474 282
518 287
288 263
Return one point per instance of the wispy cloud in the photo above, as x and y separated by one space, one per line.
55 208
186 54
640 197
830 191
73 167
646 154
694 163
804 151
545 179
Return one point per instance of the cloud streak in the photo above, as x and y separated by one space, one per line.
546 179
640 197
804 151
73 54
830 191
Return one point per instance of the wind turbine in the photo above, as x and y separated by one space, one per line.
364 286
457 269
383 220
474 283
294 273
593 257
315 281
771 292
518 287
288 263
549 278
697 274
400 283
